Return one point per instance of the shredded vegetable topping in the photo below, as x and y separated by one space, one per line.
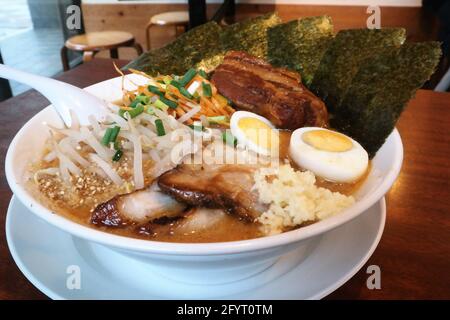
150 122
188 97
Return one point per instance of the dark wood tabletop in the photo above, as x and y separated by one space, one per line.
414 252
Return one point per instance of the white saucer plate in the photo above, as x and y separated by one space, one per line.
48 257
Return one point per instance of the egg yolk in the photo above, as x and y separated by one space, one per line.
259 132
327 140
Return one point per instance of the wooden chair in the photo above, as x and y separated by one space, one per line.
93 42
179 19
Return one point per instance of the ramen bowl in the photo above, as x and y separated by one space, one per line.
196 263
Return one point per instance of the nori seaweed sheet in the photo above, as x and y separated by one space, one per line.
183 53
341 61
381 89
205 46
249 35
300 44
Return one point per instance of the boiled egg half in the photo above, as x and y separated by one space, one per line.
255 132
328 154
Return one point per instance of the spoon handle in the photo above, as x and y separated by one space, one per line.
63 96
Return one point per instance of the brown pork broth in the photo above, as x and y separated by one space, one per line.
77 203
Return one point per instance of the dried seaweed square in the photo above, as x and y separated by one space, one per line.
381 89
346 52
249 35
300 44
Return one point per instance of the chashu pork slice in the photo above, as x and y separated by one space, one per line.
225 186
137 207
277 94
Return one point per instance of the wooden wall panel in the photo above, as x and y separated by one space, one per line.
134 17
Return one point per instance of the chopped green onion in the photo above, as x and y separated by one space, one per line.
116 145
172 104
114 134
185 93
161 105
160 127
160 81
182 89
229 139
175 83
139 99
134 103
207 91
196 96
167 80
117 155
197 126
218 119
107 136
188 76
203 74
155 90
136 111
151 110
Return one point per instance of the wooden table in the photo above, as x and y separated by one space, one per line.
414 252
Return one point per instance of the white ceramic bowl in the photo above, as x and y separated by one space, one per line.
207 263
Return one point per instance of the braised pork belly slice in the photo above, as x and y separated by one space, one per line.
225 186
136 208
193 220
274 93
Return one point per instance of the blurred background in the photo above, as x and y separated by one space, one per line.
38 35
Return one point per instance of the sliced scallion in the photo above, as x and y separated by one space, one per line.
139 99
134 103
218 119
197 126
172 104
207 91
229 139
155 90
167 80
136 111
182 89
175 83
160 127
151 110
114 134
107 136
196 96
117 155
203 74
185 93
188 76
160 105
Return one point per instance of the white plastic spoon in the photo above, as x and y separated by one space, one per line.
63 96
